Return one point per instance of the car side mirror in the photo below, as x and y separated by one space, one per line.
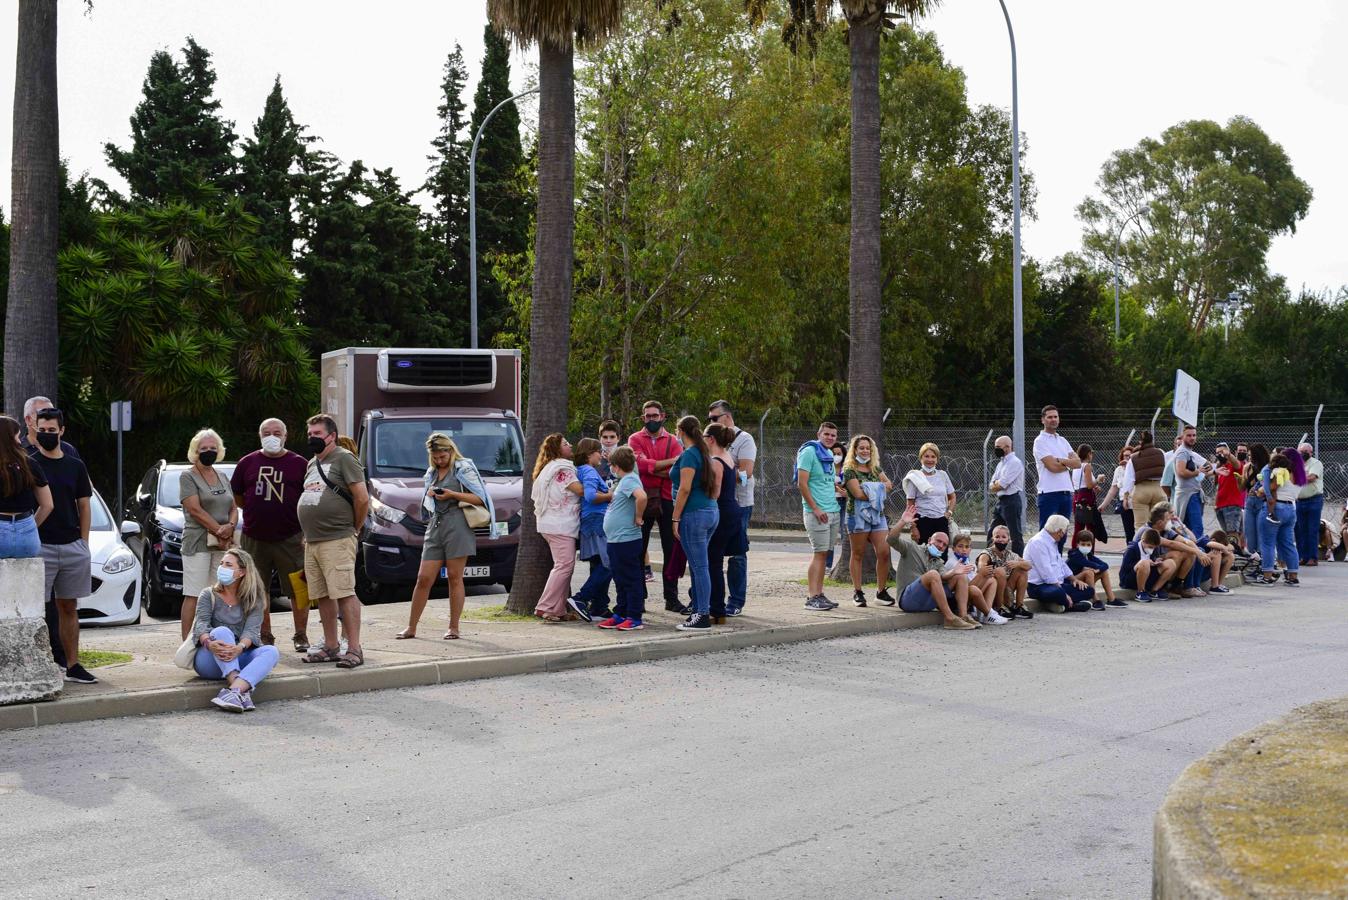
130 528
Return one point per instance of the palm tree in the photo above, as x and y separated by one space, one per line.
556 26
30 320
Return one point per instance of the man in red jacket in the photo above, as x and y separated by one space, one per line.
656 450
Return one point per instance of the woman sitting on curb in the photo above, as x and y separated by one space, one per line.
227 625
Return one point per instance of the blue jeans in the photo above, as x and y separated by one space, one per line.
629 578
1192 514
1308 526
1064 594
1254 514
695 528
1279 538
737 570
256 662
595 589
1010 511
18 538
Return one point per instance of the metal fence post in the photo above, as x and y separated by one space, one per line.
1317 428
760 470
1156 415
985 478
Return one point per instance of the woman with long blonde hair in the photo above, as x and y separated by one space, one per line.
451 481
228 628
556 494
867 487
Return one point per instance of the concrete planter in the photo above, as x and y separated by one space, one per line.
27 672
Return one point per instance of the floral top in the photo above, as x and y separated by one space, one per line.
862 477
557 509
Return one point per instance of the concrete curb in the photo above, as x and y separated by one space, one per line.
329 681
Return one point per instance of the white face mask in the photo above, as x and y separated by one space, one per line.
864 460
608 448
272 444
928 469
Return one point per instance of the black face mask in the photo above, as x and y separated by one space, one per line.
1306 457
208 457
653 427
998 452
1001 545
317 444
1242 456
48 440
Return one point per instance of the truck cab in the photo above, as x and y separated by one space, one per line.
389 400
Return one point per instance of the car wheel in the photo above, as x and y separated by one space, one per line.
156 603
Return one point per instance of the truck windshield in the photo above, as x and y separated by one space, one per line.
399 445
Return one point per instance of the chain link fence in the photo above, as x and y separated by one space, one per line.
966 455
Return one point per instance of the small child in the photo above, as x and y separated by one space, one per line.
591 601
981 596
1145 567
622 530
1093 570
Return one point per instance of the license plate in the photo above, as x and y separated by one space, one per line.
469 572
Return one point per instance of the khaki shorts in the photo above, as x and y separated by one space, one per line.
823 535
278 557
330 568
199 571
1146 495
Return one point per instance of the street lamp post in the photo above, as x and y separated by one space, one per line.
1018 430
1118 239
472 216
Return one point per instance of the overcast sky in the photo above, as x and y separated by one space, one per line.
1094 77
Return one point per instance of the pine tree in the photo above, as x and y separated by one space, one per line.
181 148
447 183
273 171
502 203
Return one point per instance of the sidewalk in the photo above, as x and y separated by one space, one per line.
774 614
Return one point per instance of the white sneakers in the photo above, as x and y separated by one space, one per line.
993 618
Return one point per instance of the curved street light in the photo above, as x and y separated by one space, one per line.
1018 432
472 216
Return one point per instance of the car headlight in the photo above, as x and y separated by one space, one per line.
119 561
385 513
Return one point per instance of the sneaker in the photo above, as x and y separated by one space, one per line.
1220 589
1144 597
601 613
1192 593
1081 606
831 604
650 576
995 619
612 622
247 698
958 625
1005 613
972 621
979 617
820 603
1290 580
1098 604
228 700
675 606
885 598
1023 612
859 598
580 609
631 625
1272 521
1053 607
733 611
1116 603
695 622
80 674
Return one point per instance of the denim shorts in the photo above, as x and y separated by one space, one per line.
1231 519
856 526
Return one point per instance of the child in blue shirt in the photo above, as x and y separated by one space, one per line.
622 531
591 601
1091 569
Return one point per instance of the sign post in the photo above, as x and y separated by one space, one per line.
121 422
1186 398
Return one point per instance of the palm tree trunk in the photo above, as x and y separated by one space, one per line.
550 316
865 381
31 343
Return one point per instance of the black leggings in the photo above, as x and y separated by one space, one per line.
926 527
666 522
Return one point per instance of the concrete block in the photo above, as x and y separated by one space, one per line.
27 672
22 589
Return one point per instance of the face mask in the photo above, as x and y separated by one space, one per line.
224 575
208 457
998 452
608 448
48 440
272 444
864 460
1086 548
962 557
1001 545
1242 456
1306 457
653 427
932 549
317 444
928 469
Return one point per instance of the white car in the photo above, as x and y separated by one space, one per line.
115 569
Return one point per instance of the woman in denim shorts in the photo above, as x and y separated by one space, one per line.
867 488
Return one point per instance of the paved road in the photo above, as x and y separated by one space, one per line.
1012 762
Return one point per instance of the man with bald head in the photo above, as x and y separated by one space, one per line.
1310 504
922 587
1008 485
267 484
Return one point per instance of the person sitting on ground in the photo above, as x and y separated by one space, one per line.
1093 570
1221 558
1183 550
921 588
867 487
983 581
228 627
1000 557
1050 580
1145 567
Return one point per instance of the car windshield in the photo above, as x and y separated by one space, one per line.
169 480
400 444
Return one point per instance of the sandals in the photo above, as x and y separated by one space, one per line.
301 642
405 634
351 659
323 655
451 635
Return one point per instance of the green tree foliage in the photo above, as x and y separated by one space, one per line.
447 183
181 147
1207 199
273 171
368 265
503 204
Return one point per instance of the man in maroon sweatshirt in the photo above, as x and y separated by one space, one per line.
656 450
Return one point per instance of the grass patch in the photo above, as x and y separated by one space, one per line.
828 582
493 614
92 659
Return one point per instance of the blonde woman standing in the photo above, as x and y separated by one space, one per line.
209 518
451 479
867 488
228 625
556 494
930 493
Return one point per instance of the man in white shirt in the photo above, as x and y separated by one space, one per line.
744 451
1050 581
1054 459
1008 484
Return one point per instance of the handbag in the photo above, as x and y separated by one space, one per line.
187 651
477 516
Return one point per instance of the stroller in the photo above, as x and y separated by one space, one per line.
1252 569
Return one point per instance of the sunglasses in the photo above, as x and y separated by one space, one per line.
715 417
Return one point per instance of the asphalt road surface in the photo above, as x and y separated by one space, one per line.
1021 761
